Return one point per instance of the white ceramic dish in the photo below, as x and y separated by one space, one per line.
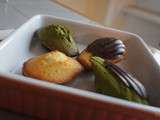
139 61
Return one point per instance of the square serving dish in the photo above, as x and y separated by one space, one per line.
76 100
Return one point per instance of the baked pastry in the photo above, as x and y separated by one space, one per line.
110 49
53 67
57 37
112 80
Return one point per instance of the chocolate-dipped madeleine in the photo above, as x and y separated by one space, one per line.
111 49
112 80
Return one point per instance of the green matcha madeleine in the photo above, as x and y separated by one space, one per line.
58 37
113 81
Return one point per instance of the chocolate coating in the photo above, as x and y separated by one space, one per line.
107 48
127 79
